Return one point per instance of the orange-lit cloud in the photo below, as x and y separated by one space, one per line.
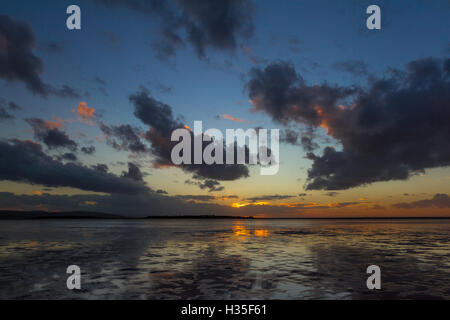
323 117
56 124
37 193
227 116
239 205
299 205
85 113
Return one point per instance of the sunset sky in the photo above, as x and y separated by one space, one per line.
86 115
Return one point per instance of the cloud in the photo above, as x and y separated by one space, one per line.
159 117
17 60
197 197
293 206
440 200
25 161
218 25
123 137
101 167
227 116
6 109
211 185
50 134
69 156
304 138
270 197
65 91
88 150
133 172
331 194
140 204
281 93
5 115
85 113
392 129
289 136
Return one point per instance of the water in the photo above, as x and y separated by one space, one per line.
225 259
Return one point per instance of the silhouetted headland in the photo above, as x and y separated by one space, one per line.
20 215
24 215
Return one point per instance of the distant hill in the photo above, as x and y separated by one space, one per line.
12 215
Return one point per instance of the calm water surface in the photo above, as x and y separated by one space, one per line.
225 259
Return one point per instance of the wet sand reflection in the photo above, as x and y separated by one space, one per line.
225 259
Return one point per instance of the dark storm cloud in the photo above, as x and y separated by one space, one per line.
216 24
17 60
280 92
159 117
211 185
289 136
396 127
88 150
100 167
308 144
123 137
26 162
51 137
440 200
305 138
133 172
154 113
69 156
354 67
270 197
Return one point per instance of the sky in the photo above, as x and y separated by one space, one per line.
86 115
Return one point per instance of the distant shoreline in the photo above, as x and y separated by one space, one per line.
43 215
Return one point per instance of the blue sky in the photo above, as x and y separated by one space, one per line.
115 46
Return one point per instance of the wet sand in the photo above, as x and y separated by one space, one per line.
225 259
